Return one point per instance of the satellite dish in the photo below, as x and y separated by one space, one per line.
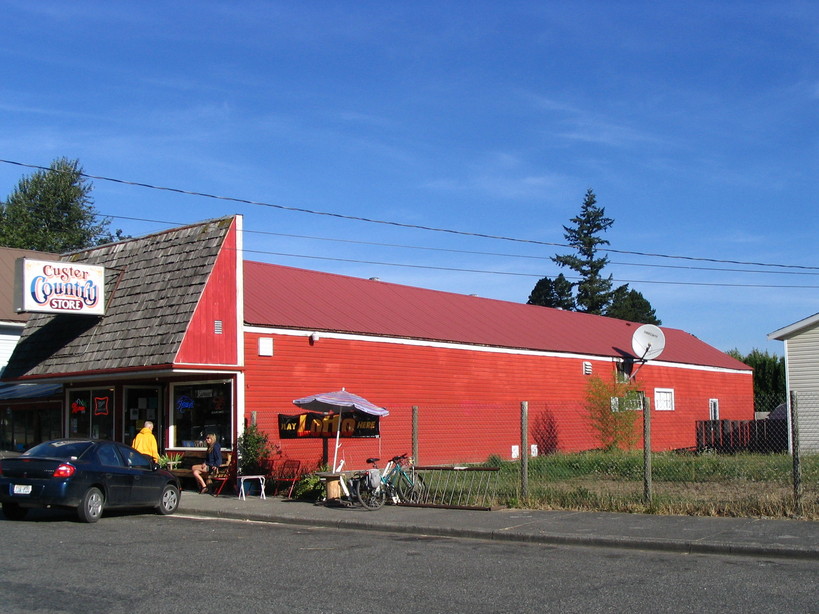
648 342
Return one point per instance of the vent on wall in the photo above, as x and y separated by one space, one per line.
587 367
265 346
217 327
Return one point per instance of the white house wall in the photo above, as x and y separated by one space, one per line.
9 334
802 351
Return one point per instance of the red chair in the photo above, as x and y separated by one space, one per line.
267 466
288 472
224 474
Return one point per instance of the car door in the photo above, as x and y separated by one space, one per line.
145 489
117 478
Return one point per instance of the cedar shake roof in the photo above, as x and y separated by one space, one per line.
8 258
286 297
152 287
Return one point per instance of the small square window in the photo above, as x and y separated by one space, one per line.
664 399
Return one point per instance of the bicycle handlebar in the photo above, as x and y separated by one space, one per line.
394 459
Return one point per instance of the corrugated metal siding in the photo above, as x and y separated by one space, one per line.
398 376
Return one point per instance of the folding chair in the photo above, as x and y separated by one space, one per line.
225 473
287 472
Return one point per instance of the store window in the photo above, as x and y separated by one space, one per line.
91 413
199 409
22 428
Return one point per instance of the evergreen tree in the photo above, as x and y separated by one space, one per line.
553 293
632 306
769 378
593 293
52 211
593 290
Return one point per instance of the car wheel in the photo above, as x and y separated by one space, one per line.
169 500
90 509
13 511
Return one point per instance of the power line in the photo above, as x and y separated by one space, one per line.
405 225
473 252
490 272
458 269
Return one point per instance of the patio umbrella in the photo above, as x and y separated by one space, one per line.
337 402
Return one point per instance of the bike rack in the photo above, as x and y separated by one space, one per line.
467 488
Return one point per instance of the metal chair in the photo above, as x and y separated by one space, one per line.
288 472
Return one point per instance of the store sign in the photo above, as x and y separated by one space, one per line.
59 287
310 424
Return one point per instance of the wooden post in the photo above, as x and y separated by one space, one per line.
797 461
524 450
647 486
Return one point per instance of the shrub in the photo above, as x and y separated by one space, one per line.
254 446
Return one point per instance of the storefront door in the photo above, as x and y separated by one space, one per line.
141 404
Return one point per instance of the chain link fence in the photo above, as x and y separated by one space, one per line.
708 457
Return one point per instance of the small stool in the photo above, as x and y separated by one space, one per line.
242 479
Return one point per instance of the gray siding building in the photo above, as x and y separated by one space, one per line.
802 375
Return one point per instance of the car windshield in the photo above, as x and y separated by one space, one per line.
66 450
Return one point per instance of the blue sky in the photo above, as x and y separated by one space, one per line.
694 123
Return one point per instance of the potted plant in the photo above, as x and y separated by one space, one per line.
254 447
169 461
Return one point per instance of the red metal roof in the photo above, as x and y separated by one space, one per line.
287 297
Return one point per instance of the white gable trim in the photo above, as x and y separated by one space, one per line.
788 331
475 348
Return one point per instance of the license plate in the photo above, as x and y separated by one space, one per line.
22 489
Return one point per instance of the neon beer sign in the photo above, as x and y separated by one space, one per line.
59 287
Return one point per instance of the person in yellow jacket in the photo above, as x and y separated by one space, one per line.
145 441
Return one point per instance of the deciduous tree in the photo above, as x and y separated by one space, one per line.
52 211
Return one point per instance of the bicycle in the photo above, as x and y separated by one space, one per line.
396 483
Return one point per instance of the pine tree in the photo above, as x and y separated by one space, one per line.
592 293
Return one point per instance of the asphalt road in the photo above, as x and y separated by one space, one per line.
145 563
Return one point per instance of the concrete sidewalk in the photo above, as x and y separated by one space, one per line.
738 536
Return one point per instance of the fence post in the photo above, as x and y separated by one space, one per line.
415 434
524 450
647 487
797 462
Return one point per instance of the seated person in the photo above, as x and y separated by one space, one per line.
212 462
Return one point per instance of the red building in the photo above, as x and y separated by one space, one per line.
197 339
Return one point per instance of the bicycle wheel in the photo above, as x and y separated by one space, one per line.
371 498
411 490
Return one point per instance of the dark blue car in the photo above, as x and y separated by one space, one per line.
85 474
